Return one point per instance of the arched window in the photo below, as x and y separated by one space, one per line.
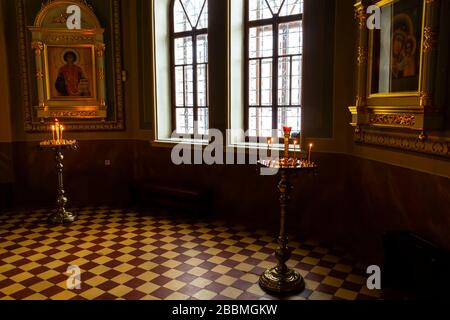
274 45
189 66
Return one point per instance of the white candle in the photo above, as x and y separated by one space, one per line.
309 153
57 132
295 152
269 144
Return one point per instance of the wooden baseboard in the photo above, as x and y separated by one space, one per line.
5 196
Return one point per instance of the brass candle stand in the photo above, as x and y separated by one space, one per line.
280 279
61 216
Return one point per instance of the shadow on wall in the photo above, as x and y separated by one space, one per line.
352 202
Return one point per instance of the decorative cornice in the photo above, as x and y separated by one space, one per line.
432 146
45 3
73 114
62 39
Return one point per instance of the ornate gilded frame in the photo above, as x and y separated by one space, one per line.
82 115
402 120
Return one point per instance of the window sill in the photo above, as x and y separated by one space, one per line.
263 146
170 142
240 146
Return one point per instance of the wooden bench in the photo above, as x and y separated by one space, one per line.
154 192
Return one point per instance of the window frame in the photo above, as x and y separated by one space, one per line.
275 22
193 33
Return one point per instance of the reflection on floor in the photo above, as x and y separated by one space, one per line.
124 254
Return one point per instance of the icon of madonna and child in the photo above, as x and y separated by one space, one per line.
73 74
404 47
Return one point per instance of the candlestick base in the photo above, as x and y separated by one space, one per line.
62 217
277 281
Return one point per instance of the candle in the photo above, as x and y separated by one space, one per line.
269 143
62 129
57 132
53 133
287 135
295 153
309 153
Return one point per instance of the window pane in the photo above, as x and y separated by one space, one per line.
284 81
181 23
296 80
203 121
262 86
254 83
189 15
292 7
260 42
290 38
275 5
193 9
258 10
202 48
189 86
260 124
202 76
290 117
203 22
185 120
266 82
183 51
179 86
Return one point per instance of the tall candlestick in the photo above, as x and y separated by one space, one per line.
309 153
62 129
53 133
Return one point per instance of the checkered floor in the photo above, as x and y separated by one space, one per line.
134 255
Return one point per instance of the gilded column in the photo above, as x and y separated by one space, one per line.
100 52
38 48
361 61
430 39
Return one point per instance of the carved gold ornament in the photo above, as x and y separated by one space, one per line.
38 47
101 74
361 17
360 101
430 39
393 119
61 19
73 114
362 56
426 100
100 49
39 75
